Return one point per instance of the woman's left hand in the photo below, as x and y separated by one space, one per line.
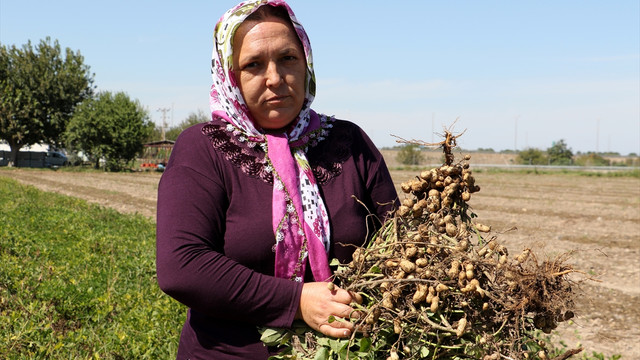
320 303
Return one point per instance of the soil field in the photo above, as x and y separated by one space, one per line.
598 218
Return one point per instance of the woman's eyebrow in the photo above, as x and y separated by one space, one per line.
289 50
257 56
251 57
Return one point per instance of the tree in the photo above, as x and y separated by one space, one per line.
531 156
487 150
591 159
110 127
40 89
559 153
410 154
193 119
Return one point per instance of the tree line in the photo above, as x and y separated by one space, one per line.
48 96
558 154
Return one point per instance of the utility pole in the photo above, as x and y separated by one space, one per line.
515 136
433 120
598 136
164 121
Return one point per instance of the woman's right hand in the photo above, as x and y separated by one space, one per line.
318 303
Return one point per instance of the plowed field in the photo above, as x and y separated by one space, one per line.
596 217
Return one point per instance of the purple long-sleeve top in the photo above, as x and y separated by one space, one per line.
215 236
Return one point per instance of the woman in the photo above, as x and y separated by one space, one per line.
253 204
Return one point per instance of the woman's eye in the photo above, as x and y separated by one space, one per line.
251 65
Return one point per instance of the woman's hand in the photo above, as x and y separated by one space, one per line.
318 303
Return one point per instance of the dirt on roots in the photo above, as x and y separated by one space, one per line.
597 219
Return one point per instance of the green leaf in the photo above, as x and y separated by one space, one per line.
322 354
273 337
375 270
324 341
424 352
339 346
365 344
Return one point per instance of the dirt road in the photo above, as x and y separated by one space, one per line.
596 217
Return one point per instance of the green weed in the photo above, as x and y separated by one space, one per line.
78 281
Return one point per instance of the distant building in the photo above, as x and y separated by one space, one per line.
38 155
4 146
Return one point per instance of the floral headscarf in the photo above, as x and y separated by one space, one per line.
300 220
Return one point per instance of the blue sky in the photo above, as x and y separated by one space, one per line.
515 74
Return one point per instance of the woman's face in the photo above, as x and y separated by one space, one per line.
270 69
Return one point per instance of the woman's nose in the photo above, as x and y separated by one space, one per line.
272 75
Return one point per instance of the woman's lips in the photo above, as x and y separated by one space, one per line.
276 99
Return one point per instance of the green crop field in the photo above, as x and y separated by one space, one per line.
78 281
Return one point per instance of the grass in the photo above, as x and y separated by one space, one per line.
78 281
